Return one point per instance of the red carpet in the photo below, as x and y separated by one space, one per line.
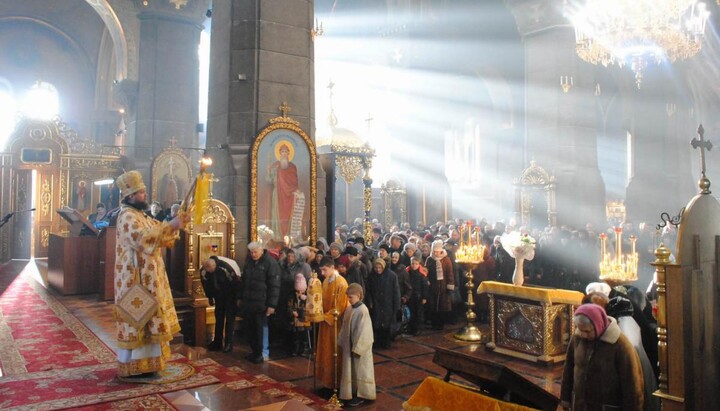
50 360
37 333
96 384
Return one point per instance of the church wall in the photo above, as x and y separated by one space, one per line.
264 57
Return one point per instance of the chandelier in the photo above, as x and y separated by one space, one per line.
637 32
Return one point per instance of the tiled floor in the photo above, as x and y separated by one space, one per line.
398 370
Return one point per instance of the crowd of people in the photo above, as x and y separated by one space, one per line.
359 297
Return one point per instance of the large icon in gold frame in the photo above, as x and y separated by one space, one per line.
283 191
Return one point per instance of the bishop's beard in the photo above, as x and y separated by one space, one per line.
284 163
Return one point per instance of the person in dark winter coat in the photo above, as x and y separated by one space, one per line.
420 293
356 272
602 370
260 288
383 300
221 281
403 277
442 284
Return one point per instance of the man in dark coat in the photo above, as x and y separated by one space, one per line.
221 281
260 290
383 300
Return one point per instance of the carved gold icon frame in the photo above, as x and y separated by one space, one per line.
283 184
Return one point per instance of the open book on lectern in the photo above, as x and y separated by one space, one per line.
77 221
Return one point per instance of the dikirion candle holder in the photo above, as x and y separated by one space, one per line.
619 268
470 254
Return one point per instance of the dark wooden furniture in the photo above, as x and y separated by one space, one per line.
503 379
72 264
106 263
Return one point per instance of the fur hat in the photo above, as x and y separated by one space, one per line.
437 245
603 288
130 183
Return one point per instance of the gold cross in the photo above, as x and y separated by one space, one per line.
703 144
284 108
137 302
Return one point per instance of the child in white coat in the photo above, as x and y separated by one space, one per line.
356 339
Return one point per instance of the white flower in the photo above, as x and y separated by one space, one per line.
518 245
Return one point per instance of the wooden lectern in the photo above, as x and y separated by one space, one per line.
72 258
532 323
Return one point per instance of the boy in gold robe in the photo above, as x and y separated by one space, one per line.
333 299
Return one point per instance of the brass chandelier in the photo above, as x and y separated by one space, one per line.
636 32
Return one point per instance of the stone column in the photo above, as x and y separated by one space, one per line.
168 78
262 55
560 127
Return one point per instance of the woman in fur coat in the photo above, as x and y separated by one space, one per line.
602 370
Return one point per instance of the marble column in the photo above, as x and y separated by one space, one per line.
262 55
560 127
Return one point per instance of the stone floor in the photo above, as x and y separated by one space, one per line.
398 370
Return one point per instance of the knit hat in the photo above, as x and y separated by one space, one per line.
596 315
351 250
130 183
384 247
300 283
379 261
336 246
428 237
437 245
409 246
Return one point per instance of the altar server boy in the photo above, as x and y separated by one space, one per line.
356 340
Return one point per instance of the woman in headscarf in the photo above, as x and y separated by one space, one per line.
602 369
442 284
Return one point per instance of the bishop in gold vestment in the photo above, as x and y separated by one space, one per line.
333 298
139 241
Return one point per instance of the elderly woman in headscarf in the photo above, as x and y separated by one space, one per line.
602 370
442 284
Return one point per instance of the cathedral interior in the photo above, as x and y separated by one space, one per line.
391 113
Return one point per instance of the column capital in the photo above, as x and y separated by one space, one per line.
191 11
533 16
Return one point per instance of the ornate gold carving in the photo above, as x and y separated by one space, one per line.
350 167
44 237
521 326
45 195
286 123
212 213
394 195
534 178
284 109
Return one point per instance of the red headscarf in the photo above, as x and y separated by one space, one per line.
597 317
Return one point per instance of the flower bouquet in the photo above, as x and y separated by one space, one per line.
521 247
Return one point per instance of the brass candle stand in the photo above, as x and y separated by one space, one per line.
334 400
470 332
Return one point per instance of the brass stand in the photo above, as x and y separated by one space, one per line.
334 400
470 332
